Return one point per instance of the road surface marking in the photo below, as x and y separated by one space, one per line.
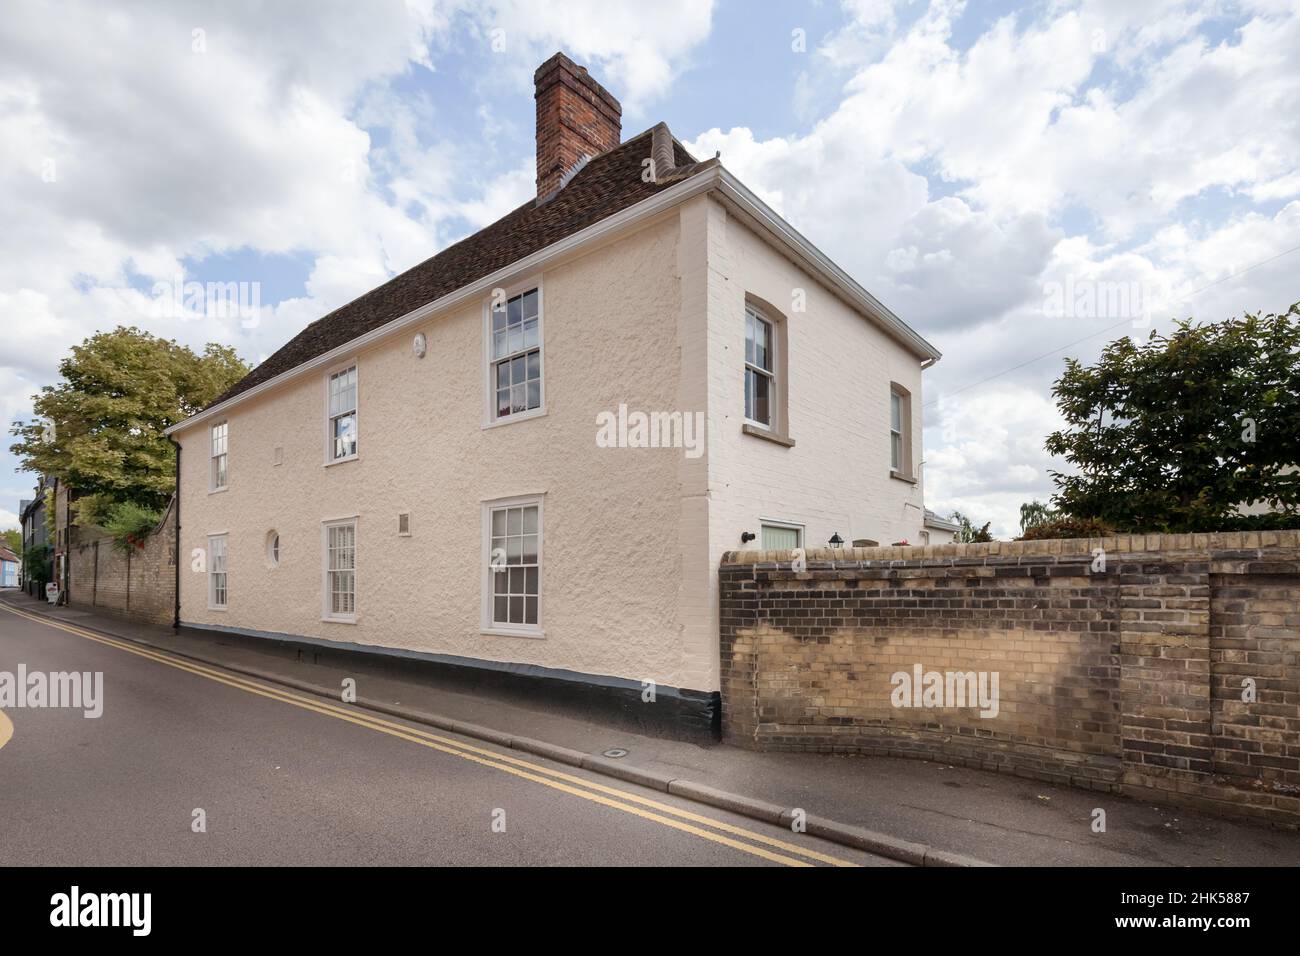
503 762
6 729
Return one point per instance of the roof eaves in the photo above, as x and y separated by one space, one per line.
695 179
739 194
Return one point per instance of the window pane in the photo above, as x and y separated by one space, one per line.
534 365
530 519
515 521
762 412
779 539
530 303
514 550
534 394
500 610
514 309
518 399
516 610
516 340
530 610
530 581
503 402
499 344
498 523
503 375
530 334
896 451
498 318
895 411
530 548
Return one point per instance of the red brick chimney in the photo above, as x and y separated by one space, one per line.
576 117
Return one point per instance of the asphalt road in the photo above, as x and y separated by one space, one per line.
284 777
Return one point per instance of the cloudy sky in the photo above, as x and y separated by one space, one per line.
1018 182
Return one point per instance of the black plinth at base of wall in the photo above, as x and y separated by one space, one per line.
676 713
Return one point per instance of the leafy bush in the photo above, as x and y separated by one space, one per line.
130 524
36 564
1068 528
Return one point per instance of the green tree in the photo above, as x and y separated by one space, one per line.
967 533
1177 433
100 429
1035 513
13 540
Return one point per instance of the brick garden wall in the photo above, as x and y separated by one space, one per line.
1125 677
140 584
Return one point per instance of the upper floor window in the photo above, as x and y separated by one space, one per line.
516 350
760 374
343 414
218 475
900 431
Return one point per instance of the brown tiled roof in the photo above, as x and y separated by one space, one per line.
608 184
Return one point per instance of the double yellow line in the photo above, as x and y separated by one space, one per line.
759 845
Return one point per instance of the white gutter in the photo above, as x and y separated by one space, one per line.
715 178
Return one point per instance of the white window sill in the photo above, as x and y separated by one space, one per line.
513 632
217 491
341 461
223 608
767 434
894 473
537 412
339 620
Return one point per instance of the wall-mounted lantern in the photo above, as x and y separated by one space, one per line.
747 536
836 541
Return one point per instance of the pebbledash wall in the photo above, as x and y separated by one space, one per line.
140 583
1133 676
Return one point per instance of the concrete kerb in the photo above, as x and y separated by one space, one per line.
893 848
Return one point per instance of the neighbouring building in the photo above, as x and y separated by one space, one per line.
31 515
9 564
531 451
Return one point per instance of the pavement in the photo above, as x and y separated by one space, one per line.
375 799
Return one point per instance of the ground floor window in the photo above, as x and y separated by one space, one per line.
781 536
512 587
341 570
217 589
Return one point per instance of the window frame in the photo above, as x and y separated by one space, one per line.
213 487
487 623
904 468
490 417
794 526
771 373
327 612
224 538
330 374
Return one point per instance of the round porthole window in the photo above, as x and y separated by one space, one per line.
273 548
